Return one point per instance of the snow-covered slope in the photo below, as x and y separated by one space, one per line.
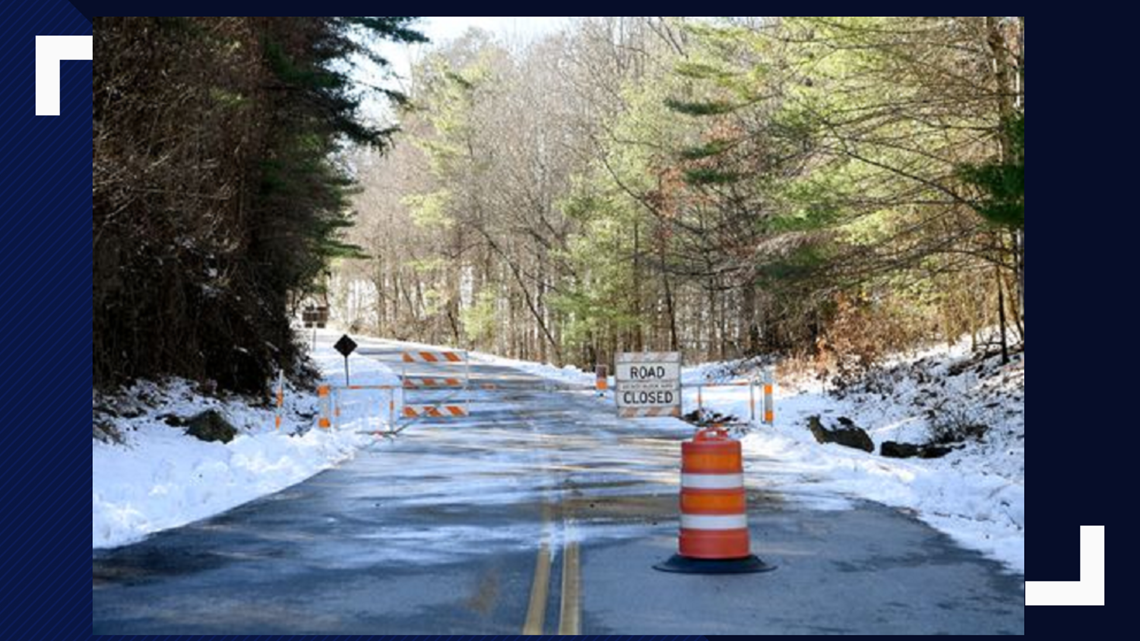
160 478
976 493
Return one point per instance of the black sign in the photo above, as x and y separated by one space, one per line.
317 315
345 346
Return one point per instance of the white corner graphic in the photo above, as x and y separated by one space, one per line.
49 51
1089 590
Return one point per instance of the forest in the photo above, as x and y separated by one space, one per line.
831 188
219 188
827 188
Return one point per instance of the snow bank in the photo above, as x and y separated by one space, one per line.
975 494
161 478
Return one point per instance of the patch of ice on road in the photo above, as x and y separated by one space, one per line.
394 543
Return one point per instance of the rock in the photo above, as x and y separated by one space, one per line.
211 426
708 417
846 435
950 429
976 431
173 420
891 449
934 451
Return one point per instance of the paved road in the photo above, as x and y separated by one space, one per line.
539 513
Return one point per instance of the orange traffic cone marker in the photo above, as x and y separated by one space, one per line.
714 512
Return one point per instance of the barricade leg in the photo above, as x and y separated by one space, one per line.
280 404
769 403
324 409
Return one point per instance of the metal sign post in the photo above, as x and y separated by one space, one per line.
752 399
648 384
345 346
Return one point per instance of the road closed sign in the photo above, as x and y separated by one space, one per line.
648 384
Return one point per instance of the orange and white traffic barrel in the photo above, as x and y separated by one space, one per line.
714 511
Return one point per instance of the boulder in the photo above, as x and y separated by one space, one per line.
934 451
891 449
707 417
846 434
173 420
211 426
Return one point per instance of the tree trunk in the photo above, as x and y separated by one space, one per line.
1001 318
1009 92
670 308
540 303
522 285
1021 232
1021 273
748 317
396 291
724 354
638 339
1015 310
710 323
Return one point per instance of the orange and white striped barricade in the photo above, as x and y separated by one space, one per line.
649 412
431 382
431 377
434 411
714 513
422 372
428 356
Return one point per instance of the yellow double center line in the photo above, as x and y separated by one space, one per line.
570 623
539 590
570 618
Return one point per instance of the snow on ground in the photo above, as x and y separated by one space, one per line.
161 478
975 494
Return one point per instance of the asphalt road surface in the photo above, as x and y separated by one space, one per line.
539 513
